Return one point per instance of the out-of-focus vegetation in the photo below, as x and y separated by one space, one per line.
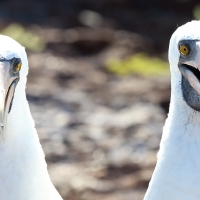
140 64
99 132
196 12
24 37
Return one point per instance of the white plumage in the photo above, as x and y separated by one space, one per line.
23 170
177 173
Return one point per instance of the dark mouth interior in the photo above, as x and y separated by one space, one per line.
6 99
195 71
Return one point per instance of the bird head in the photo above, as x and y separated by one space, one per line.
184 58
13 72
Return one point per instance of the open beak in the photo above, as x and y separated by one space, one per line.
8 82
192 75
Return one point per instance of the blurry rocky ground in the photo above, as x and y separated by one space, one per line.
100 132
98 88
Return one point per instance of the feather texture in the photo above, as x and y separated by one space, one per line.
23 170
177 173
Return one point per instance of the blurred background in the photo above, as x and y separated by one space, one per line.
98 87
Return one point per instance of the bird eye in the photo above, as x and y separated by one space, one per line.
18 67
184 50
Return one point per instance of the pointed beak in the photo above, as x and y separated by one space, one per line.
8 82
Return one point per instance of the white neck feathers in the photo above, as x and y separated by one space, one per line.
176 175
23 170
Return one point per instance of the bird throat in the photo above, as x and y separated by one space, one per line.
190 95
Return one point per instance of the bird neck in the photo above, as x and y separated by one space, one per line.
23 169
21 141
19 123
176 175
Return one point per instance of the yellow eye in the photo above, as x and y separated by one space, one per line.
184 50
18 67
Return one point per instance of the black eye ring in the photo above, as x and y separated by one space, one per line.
17 64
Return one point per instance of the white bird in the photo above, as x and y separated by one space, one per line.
23 170
177 173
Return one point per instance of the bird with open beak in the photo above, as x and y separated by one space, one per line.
9 77
23 169
177 172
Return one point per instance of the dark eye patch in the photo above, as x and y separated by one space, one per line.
13 63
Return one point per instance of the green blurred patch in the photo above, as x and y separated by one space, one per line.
196 12
24 37
140 64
